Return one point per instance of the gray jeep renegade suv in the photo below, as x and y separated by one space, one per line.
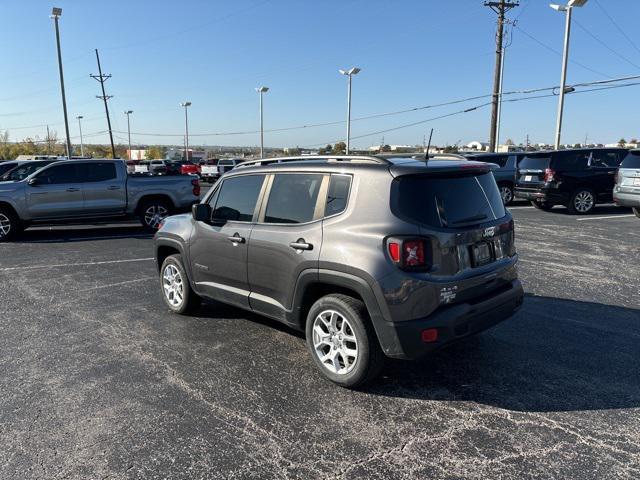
369 256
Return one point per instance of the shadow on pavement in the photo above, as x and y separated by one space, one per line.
554 355
598 210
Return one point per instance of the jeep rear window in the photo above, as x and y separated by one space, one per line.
631 161
447 201
534 163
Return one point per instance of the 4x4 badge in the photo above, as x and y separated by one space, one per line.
489 232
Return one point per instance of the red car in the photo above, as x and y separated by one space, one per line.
187 168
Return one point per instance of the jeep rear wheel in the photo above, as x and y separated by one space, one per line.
342 341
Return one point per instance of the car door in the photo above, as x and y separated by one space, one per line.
603 166
104 189
286 240
218 248
56 192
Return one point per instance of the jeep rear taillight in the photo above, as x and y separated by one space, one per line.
549 174
196 187
407 253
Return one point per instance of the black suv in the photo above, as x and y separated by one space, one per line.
577 179
370 256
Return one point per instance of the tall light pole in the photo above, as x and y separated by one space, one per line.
349 73
261 91
55 14
80 117
128 113
565 59
186 105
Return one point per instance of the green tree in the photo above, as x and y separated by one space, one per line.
155 152
622 142
339 148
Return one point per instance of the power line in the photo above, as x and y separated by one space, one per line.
601 42
615 24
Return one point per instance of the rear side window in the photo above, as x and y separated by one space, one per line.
571 160
100 172
447 201
605 159
293 198
236 199
534 163
632 160
338 194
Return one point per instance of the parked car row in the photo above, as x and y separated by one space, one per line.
577 179
209 170
80 191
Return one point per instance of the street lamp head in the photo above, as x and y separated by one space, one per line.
558 8
56 12
262 89
79 117
577 3
128 112
185 104
351 71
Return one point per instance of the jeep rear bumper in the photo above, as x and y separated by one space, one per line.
540 195
404 339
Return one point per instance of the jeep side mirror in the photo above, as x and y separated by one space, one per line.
201 212
33 181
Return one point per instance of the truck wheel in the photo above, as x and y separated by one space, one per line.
506 192
636 210
582 201
542 205
9 224
342 341
152 212
176 289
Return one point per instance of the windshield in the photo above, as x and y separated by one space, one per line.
5 167
447 201
23 171
534 163
632 160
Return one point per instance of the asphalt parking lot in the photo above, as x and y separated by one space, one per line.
100 381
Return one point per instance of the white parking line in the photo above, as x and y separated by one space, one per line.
106 262
111 285
518 208
605 218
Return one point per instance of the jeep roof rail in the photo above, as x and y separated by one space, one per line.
311 158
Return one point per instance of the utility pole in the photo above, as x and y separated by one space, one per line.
80 117
103 78
55 15
500 8
48 141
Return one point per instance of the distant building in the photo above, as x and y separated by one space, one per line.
139 154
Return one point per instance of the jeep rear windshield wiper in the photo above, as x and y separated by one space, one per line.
470 219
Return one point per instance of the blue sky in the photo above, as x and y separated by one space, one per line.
214 53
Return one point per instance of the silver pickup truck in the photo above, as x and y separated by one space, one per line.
76 191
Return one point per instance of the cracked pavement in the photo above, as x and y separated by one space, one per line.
98 380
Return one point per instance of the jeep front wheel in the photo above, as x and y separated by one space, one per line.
342 341
9 224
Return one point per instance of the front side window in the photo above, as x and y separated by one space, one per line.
100 171
293 198
66 173
236 199
337 194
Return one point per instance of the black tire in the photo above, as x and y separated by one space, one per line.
190 300
152 221
10 225
506 192
578 205
636 210
369 360
542 205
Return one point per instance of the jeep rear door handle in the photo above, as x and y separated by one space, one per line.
300 244
114 187
72 189
236 238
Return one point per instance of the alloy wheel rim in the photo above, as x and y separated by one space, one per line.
583 201
5 225
154 215
505 193
173 286
334 342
